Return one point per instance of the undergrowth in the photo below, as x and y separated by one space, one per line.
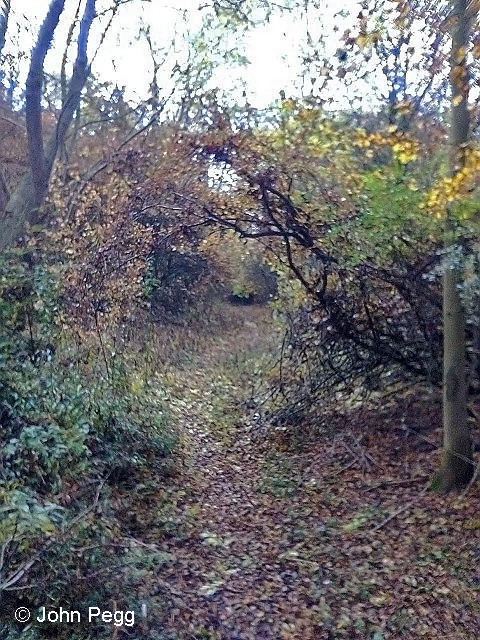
76 432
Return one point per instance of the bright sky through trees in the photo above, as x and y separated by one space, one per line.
273 50
292 52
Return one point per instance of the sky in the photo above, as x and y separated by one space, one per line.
272 49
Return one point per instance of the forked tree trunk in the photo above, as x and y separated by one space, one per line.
456 468
25 202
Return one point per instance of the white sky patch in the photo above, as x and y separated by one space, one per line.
274 50
274 63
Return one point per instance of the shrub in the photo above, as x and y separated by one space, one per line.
69 435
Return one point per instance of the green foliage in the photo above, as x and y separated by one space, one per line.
241 290
24 516
391 221
47 426
130 428
67 437
392 215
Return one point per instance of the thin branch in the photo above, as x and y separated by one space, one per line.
18 574
20 125
114 10
395 514
63 72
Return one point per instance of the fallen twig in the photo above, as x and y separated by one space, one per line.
398 512
8 583
343 469
396 483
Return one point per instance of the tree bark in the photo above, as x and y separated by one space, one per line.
457 467
29 195
4 15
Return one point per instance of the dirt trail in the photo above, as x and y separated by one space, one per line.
233 575
267 544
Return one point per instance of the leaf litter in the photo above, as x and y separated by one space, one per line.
338 538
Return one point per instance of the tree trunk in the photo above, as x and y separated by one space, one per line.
26 200
4 14
19 208
457 460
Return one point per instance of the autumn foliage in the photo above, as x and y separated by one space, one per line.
221 346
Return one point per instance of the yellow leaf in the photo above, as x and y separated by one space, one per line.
380 599
362 40
461 53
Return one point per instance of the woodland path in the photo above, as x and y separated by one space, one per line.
261 542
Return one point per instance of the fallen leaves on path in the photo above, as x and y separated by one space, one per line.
268 542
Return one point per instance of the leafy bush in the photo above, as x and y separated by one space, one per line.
68 436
